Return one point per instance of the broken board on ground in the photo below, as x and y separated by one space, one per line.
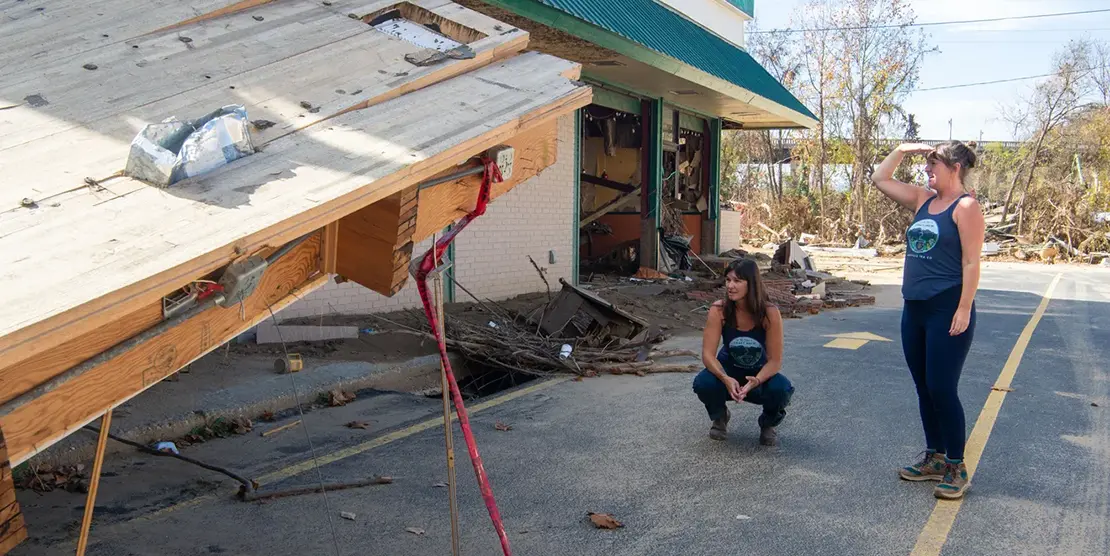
578 313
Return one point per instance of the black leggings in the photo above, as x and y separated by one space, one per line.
936 359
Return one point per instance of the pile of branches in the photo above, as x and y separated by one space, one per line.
516 345
513 343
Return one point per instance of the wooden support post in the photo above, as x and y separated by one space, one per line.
94 483
452 496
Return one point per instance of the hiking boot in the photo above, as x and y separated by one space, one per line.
930 468
768 436
955 481
719 429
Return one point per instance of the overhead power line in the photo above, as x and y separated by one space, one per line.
1010 80
935 23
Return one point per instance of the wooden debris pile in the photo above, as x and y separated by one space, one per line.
517 345
576 332
1060 236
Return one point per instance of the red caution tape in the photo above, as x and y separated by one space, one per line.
427 264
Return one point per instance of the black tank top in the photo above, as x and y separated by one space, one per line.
934 254
743 350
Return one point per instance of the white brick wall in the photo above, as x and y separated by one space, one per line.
491 255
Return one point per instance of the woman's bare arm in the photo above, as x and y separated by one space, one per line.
909 196
711 338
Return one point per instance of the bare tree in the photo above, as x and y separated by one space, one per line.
777 52
1052 104
819 65
880 62
1100 69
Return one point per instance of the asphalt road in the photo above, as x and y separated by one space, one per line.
638 448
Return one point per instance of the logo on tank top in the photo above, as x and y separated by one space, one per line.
923 235
745 351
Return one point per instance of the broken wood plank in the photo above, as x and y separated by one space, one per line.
445 203
300 183
610 184
72 405
609 207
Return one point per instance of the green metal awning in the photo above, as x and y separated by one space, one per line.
724 80
746 6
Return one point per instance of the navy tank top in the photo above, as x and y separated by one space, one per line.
934 254
743 350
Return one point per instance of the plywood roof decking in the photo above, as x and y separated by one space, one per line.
67 264
271 59
83 250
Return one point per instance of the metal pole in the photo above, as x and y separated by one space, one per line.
94 482
456 550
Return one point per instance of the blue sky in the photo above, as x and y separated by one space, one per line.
978 52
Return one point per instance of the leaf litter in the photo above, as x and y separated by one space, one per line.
604 521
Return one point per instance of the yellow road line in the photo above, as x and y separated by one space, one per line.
936 530
324 459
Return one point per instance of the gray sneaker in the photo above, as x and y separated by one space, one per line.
931 468
719 429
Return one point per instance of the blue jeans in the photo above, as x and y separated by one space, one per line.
774 396
936 359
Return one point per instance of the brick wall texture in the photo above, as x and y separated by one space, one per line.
491 255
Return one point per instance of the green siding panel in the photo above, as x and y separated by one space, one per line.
715 174
746 6
667 33
655 177
616 101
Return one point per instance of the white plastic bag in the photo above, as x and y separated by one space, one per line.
170 151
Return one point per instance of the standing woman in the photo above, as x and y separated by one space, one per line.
939 283
749 330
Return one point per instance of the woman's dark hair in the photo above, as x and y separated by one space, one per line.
756 298
951 153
